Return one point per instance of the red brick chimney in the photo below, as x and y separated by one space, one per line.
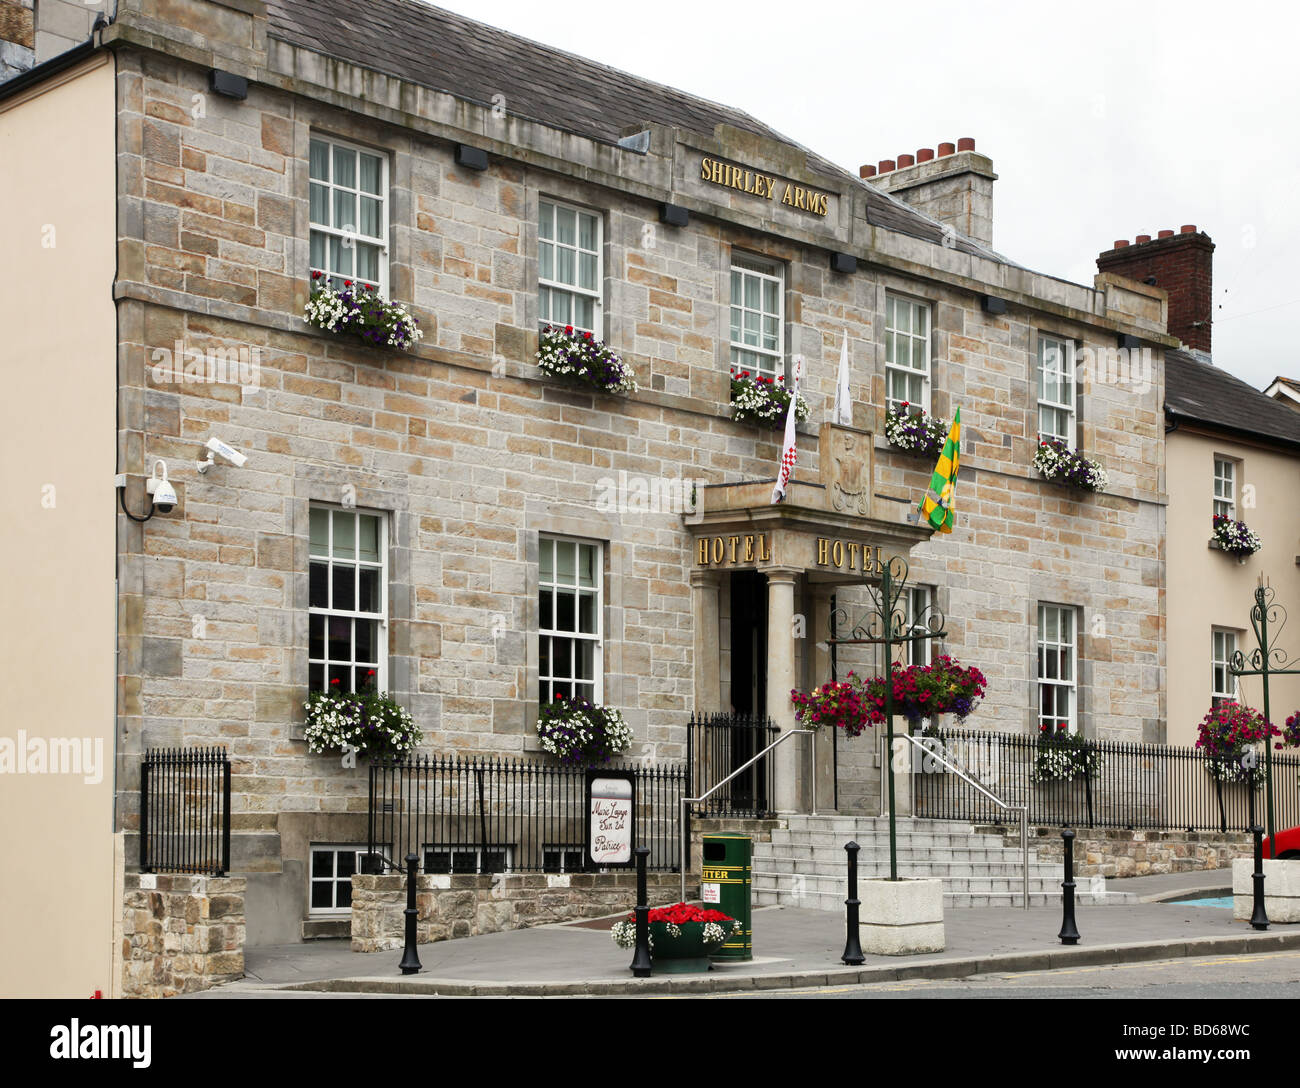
1180 264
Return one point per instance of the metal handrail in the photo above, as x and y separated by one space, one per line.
686 844
1022 809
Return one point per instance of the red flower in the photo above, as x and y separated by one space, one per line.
315 275
347 283
568 329
587 335
335 680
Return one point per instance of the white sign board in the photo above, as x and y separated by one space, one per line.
711 893
610 837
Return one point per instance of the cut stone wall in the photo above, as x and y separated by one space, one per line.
1114 852
467 906
183 935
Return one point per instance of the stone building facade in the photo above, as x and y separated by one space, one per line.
474 464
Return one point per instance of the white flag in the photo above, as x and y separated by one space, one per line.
843 413
789 454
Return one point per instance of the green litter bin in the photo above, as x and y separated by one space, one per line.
726 876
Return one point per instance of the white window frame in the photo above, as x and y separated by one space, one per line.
562 849
772 361
894 336
1224 686
335 848
573 289
1060 652
454 848
1225 487
546 678
381 631
351 237
919 600
1065 370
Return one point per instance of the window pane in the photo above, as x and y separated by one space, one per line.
322 863
344 892
370 174
546 261
316 636
751 293
561 657
564 612
345 534
586 663
769 296
366 642
545 565
340 257
584 313
587 565
587 271
320 160
343 675
316 677
566 226
318 251
345 590
368 263
368 597
544 656
370 217
318 594
587 225
587 613
320 532
321 894
564 272
566 562
546 220
545 611
345 210
340 638
320 205
345 167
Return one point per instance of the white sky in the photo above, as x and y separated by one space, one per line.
1103 121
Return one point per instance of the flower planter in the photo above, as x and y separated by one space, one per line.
681 955
763 402
900 917
579 360
913 431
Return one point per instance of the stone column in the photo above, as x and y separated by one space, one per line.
818 633
781 679
704 615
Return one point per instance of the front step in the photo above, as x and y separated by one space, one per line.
805 863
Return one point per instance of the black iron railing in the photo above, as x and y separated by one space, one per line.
1153 786
716 744
185 811
483 815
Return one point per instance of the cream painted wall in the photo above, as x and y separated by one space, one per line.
57 442
1210 589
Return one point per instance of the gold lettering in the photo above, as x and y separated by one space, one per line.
717 172
769 182
763 553
702 549
734 541
822 206
799 194
751 183
704 169
749 548
853 555
823 551
880 563
837 553
787 198
718 549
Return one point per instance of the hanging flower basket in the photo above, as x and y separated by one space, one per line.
1225 735
358 310
1063 756
579 357
1058 463
911 429
580 733
762 400
367 721
1234 537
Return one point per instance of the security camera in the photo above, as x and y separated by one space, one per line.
214 447
164 495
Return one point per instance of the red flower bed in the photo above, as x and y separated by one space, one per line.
680 913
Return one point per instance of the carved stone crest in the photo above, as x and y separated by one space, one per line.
846 469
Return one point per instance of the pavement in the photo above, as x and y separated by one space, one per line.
792 948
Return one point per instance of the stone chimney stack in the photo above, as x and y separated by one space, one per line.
1179 264
954 186
17 37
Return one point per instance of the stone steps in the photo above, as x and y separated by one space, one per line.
835 903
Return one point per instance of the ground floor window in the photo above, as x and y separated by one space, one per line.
562 857
1057 649
332 866
446 858
1223 684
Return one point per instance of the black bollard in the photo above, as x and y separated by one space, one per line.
410 964
641 957
1260 918
852 945
1069 931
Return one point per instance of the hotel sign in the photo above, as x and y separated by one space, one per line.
763 186
721 551
844 555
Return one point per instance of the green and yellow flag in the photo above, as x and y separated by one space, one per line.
937 506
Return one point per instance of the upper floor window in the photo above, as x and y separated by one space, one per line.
1057 393
1057 665
347 617
570 578
1223 684
349 214
918 616
568 267
907 352
757 316
1225 488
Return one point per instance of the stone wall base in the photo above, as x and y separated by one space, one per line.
1281 889
466 906
1116 852
183 934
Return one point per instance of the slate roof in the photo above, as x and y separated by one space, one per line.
1209 395
474 61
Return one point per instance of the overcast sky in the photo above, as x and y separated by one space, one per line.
1103 121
